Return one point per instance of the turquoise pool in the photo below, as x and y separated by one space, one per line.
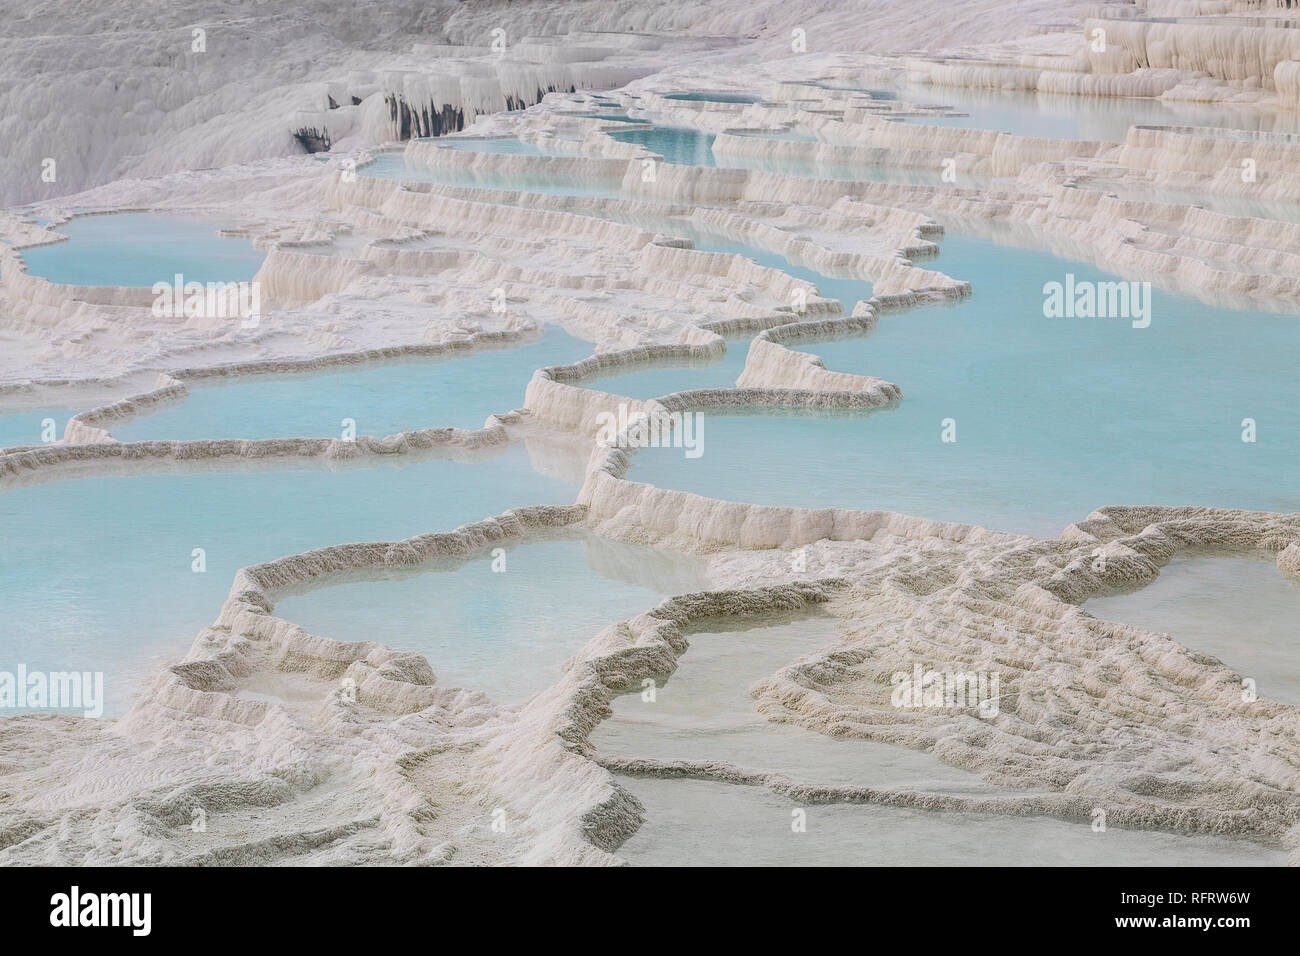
382 398
666 378
707 97
27 427
505 145
394 166
505 622
1060 116
139 249
616 117
1054 417
848 290
96 574
676 144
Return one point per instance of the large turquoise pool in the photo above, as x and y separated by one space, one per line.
1053 417
97 574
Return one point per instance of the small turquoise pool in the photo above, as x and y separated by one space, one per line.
656 381
874 94
848 290
616 117
381 399
706 97
506 621
505 145
789 135
394 166
140 249
676 144
683 146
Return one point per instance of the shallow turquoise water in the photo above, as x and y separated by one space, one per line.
139 249
790 135
1058 116
875 94
382 399
1176 443
663 380
1054 417
1240 610
507 145
677 145
25 428
682 146
706 97
394 166
848 290
616 117
507 631
96 574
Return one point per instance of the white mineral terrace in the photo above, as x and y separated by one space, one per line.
468 196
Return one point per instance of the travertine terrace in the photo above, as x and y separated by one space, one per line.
304 748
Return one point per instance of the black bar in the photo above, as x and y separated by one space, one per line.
935 907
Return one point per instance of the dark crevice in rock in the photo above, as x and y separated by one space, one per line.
313 140
433 119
